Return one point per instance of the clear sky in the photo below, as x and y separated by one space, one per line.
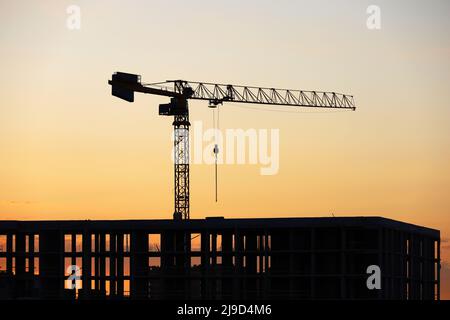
68 150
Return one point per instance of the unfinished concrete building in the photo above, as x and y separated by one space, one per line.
216 258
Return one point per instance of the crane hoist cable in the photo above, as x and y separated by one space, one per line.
216 126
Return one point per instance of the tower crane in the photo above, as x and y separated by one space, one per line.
124 85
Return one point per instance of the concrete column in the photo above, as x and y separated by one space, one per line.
313 263
112 263
403 267
10 253
439 270
204 248
31 253
240 244
20 254
213 249
291 264
266 282
139 264
251 261
227 263
343 256
380 293
119 261
237 280
86 276
101 257
392 263
61 272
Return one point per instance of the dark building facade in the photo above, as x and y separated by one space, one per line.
216 258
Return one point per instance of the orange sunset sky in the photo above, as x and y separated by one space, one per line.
69 150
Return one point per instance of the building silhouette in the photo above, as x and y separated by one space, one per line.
217 258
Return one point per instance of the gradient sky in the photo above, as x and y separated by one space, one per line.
68 150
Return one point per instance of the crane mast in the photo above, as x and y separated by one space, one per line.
181 165
124 85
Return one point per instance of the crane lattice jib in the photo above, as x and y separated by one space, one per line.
219 93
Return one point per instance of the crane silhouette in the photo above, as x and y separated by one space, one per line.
124 85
